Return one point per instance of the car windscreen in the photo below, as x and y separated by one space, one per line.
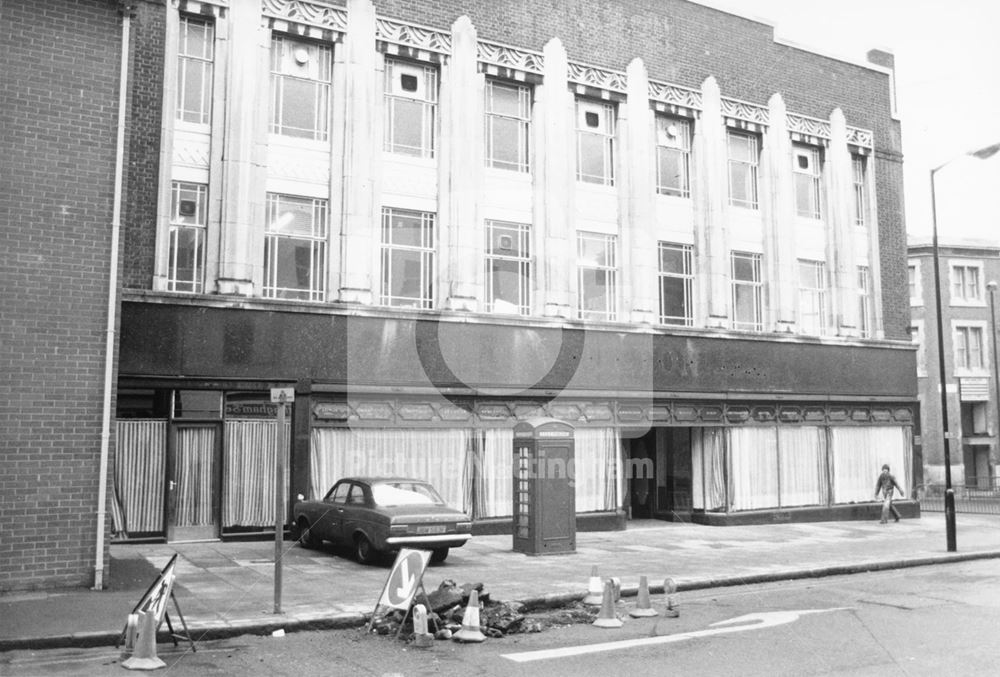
405 493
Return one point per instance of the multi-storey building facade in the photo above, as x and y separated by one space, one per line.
651 220
969 273
431 224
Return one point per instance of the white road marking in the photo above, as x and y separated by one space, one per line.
754 621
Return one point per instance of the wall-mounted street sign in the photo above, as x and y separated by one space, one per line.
276 394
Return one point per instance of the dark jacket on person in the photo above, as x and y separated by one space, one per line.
885 484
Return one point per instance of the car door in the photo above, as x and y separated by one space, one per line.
354 511
328 522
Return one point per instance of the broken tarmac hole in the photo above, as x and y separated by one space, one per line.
496 618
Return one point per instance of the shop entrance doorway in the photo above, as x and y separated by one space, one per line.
193 482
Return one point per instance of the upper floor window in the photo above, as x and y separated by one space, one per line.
195 56
295 247
744 158
411 95
300 88
188 220
968 341
676 284
917 337
812 297
966 283
913 281
407 258
864 301
673 156
508 267
508 120
748 291
807 171
595 138
597 276
859 171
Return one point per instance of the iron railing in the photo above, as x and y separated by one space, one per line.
979 496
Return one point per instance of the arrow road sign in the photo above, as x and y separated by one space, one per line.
739 624
404 579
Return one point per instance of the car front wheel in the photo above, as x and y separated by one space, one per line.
364 551
306 535
439 555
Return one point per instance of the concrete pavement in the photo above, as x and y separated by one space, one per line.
226 589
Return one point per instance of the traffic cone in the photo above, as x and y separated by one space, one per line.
643 607
606 618
470 631
595 588
421 638
669 587
144 655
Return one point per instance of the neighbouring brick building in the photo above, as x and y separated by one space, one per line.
967 267
59 112
649 219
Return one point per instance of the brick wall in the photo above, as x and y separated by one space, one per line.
145 112
59 113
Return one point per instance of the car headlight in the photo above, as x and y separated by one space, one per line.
463 527
398 529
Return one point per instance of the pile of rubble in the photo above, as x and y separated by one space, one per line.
496 618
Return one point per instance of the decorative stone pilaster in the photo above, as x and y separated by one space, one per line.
362 154
778 210
711 207
840 246
460 168
245 151
554 183
637 197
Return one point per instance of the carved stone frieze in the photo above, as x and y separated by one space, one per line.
674 94
809 126
409 35
860 137
308 13
597 77
744 110
510 57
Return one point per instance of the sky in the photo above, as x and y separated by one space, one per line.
947 91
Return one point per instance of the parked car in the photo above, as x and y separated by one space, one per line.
381 515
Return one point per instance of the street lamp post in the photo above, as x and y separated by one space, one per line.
992 286
949 492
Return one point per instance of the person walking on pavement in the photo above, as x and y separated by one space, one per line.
885 484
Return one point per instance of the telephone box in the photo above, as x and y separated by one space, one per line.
544 490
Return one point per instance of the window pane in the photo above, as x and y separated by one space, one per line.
298 115
592 157
673 300
505 100
406 127
507 147
405 229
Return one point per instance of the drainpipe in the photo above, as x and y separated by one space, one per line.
109 346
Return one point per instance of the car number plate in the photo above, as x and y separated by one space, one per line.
432 529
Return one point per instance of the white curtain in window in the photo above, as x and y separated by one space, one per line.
248 484
437 456
802 452
140 465
708 486
194 474
495 473
597 466
753 454
858 455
